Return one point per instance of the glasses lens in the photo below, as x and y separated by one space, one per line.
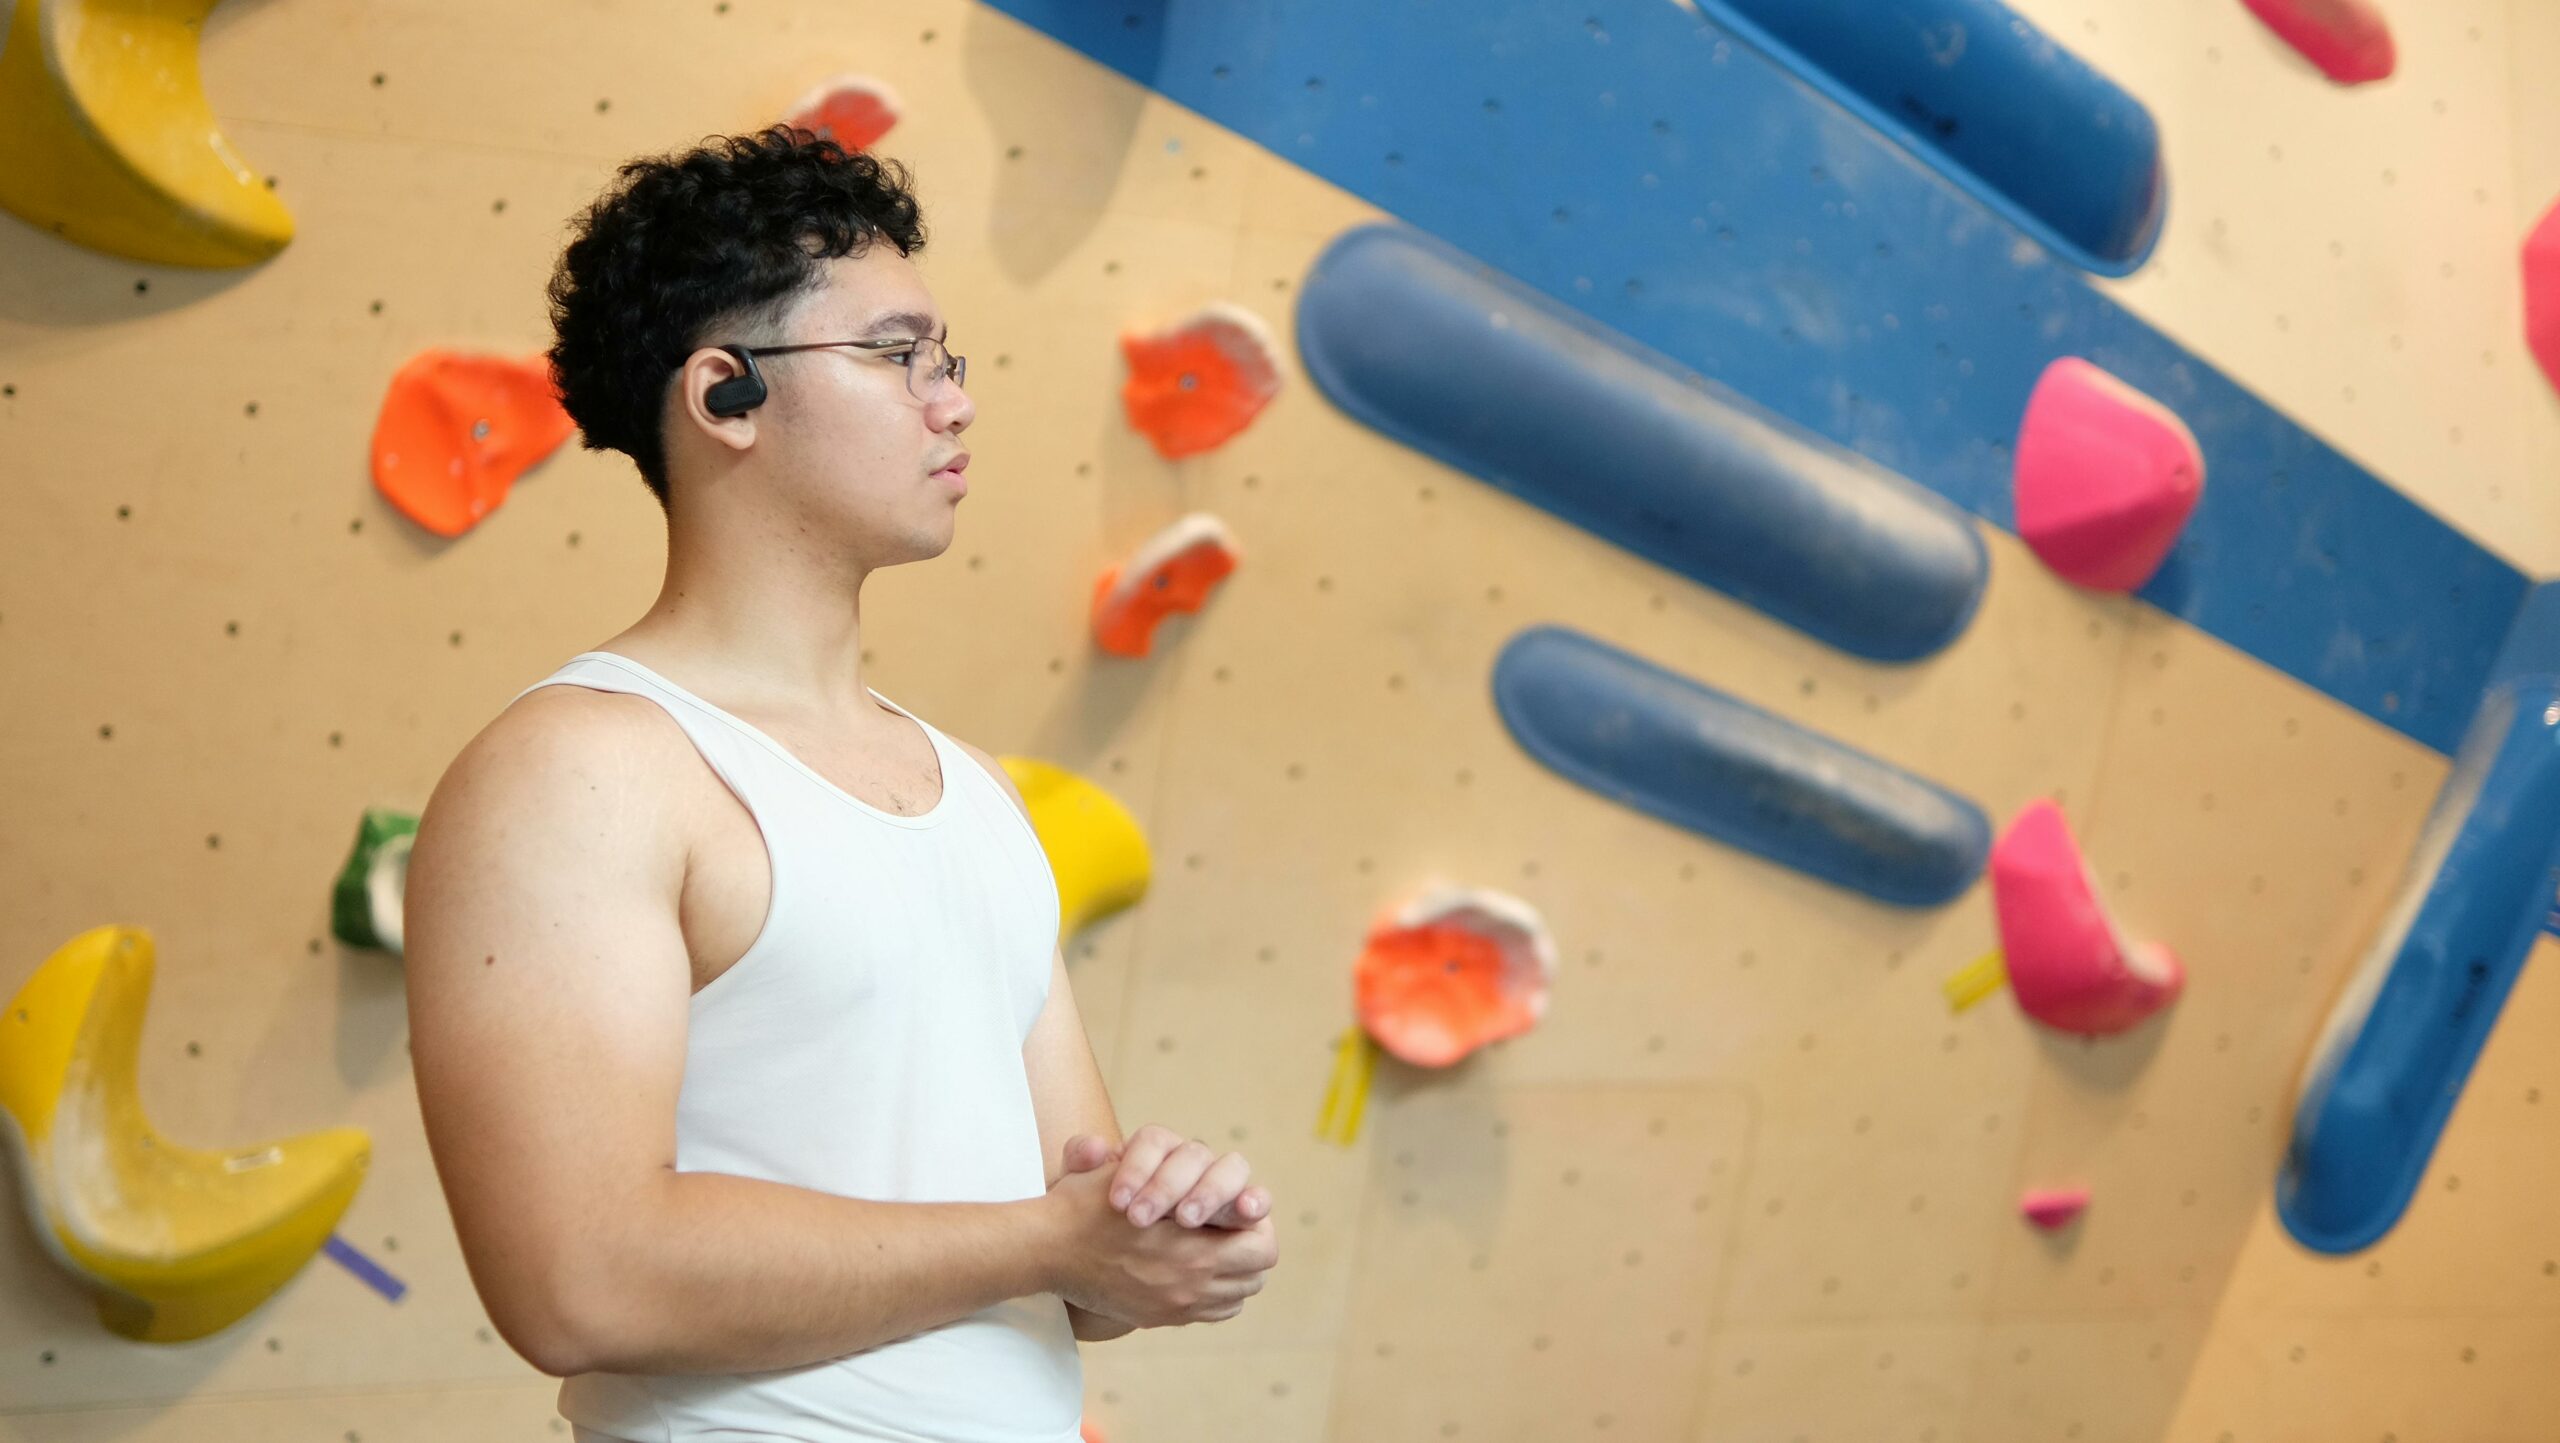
928 363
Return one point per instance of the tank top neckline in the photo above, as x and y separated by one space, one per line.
930 816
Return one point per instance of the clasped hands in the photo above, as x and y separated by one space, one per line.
1215 1244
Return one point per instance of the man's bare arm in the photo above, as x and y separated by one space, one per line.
1070 1100
1068 1096
549 987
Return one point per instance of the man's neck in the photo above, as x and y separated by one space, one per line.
770 636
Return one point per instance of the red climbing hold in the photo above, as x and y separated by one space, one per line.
2068 965
2348 39
2542 293
1174 571
456 430
1199 381
2051 1207
2106 477
1452 969
854 111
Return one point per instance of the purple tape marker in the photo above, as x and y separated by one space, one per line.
363 1267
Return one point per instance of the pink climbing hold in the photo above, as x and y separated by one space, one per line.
2348 39
2051 1207
2105 476
2068 966
854 111
2542 293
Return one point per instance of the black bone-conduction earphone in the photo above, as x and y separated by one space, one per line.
736 395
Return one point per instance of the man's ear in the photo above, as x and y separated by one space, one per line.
704 369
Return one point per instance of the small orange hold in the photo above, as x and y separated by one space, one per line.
457 429
1201 380
1174 571
854 111
1091 1434
1452 970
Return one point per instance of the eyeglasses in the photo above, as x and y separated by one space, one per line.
927 359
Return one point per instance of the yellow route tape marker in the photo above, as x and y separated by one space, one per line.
1974 981
1355 1062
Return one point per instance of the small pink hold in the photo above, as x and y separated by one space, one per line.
2542 293
2348 39
2105 476
2051 1207
2067 965
854 111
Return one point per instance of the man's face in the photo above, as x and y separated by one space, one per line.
842 436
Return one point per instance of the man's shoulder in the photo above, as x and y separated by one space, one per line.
563 752
563 816
552 725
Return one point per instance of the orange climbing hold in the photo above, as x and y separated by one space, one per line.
456 430
1201 380
854 111
1452 970
1174 571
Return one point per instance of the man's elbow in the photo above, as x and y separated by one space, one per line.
558 1315
556 1336
1090 1327
551 1351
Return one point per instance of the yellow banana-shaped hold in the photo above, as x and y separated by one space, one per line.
1096 849
106 138
176 1242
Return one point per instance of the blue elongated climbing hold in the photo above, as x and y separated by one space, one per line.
1414 339
2401 1040
1657 741
1973 89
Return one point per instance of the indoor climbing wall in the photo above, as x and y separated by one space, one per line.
1751 1178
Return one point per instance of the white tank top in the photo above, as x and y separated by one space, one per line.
868 1044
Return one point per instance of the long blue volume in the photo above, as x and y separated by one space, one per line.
1411 337
2000 109
1662 743
2401 1041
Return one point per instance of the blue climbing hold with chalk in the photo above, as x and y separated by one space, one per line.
2032 130
1640 734
2399 1044
1414 339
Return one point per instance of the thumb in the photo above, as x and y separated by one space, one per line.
1084 1152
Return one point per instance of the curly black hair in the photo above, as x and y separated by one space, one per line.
725 234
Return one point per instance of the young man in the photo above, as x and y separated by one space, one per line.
744 1044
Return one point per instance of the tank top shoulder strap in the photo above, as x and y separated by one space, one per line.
730 753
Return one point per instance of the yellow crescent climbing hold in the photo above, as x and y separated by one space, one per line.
176 1242
106 138
1096 849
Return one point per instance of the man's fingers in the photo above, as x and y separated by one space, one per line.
1146 1150
1251 1253
1215 1191
1249 1207
1176 1175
